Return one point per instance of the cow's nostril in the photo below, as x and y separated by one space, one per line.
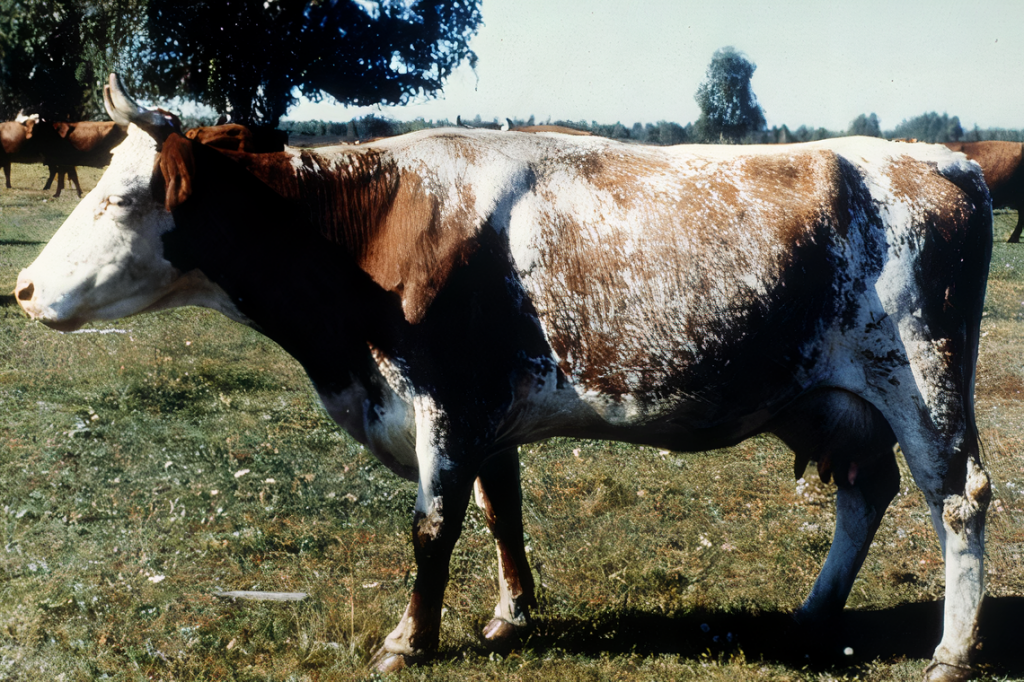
25 292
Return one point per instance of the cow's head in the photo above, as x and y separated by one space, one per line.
107 260
28 122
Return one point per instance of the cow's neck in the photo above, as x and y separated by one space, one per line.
347 199
303 291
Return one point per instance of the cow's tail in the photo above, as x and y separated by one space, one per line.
965 296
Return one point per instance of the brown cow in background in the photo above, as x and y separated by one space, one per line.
1002 163
15 146
235 137
230 136
66 145
549 129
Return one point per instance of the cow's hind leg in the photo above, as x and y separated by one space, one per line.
7 174
1014 236
499 495
73 180
958 504
850 440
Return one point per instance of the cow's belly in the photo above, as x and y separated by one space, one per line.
386 424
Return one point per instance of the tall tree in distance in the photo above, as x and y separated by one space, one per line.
931 127
728 107
253 57
866 125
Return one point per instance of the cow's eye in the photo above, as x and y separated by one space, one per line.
115 200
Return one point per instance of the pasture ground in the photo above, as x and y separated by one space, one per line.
150 462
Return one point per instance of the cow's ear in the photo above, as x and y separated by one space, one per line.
177 166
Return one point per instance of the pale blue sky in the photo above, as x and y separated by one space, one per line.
818 63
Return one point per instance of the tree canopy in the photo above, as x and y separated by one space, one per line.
253 57
250 57
728 106
54 54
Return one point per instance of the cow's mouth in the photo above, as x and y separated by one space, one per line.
65 325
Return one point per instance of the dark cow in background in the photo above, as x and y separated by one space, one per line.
456 293
1003 166
238 138
15 145
64 146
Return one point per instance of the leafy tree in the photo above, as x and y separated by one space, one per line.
55 54
253 57
729 108
865 125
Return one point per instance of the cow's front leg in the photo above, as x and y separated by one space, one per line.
499 495
445 484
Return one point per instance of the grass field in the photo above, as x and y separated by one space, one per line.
148 463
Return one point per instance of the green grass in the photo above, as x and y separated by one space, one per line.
123 508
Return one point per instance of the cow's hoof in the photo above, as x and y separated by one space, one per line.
500 634
946 672
385 661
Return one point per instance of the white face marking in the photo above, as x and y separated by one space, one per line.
106 260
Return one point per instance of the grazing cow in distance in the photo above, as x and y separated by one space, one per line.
230 136
15 146
65 145
550 129
457 293
508 125
1003 166
238 138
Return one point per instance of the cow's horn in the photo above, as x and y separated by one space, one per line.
123 109
115 115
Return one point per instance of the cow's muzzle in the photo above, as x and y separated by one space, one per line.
25 295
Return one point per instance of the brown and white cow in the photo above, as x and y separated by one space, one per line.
1003 166
456 293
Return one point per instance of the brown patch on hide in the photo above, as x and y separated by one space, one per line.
176 166
939 203
715 247
408 239
420 243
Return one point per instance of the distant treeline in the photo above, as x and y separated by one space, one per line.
930 127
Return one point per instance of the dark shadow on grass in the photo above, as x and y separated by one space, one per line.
908 631
8 300
19 242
